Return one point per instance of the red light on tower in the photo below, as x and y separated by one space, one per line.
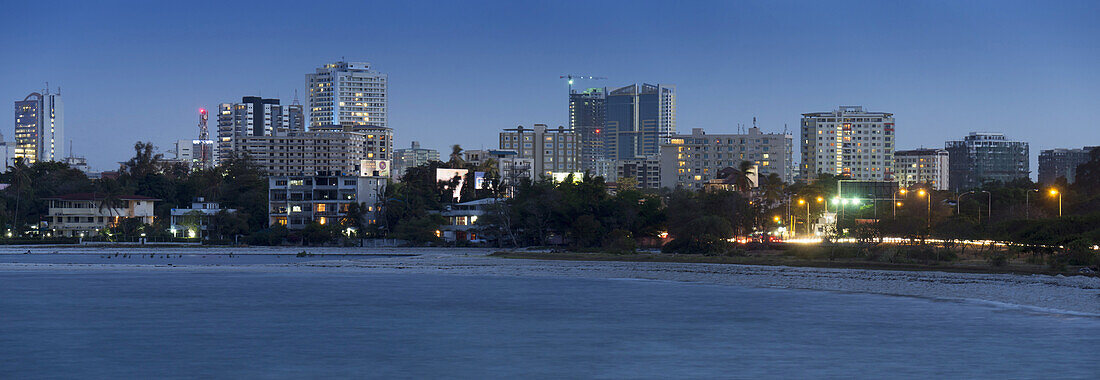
202 110
597 131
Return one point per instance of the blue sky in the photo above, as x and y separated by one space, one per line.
461 71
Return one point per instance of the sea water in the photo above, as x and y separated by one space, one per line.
112 323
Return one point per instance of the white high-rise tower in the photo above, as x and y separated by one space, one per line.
40 128
347 94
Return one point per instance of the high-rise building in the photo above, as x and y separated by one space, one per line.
1054 163
645 171
848 141
982 156
40 128
347 94
639 118
413 156
255 116
922 166
554 150
692 160
587 111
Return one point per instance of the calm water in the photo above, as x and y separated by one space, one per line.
140 324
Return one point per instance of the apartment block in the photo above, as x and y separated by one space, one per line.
647 171
324 149
255 117
848 141
324 198
553 150
347 94
1054 163
922 166
985 156
692 160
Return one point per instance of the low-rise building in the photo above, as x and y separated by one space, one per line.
193 222
462 220
296 201
922 166
85 214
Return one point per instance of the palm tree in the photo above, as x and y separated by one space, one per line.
20 179
456 161
740 177
772 187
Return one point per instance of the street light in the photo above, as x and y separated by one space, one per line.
902 191
1054 192
923 193
1027 203
803 202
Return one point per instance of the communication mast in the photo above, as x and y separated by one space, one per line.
204 146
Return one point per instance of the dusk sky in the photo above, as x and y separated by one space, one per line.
461 71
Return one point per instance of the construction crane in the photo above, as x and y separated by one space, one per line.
572 77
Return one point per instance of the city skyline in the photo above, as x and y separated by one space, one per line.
943 69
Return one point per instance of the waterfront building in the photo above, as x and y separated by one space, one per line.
324 198
194 221
553 150
692 160
848 141
1054 163
587 113
985 156
255 117
922 166
40 128
639 118
462 220
347 94
84 214
361 149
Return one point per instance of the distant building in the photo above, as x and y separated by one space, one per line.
7 151
606 168
920 166
646 171
255 117
78 163
981 157
84 214
40 128
848 141
692 160
639 118
587 113
1054 163
348 150
296 201
411 157
553 150
347 94
189 152
194 222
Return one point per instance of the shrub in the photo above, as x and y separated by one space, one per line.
620 241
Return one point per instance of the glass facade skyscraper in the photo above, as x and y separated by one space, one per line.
639 118
587 112
39 128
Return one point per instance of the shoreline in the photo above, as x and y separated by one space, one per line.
971 267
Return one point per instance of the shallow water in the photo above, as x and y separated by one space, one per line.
193 323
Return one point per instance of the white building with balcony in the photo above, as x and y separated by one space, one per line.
85 214
193 222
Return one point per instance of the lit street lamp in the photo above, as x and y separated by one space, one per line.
1054 192
902 191
924 193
